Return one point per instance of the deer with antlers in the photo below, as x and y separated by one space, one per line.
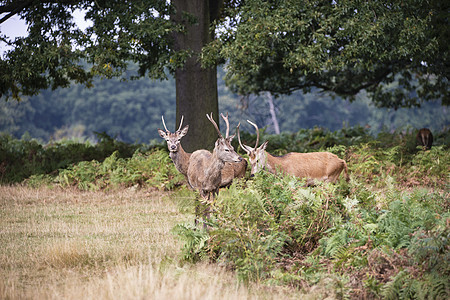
232 170
181 158
323 166
205 168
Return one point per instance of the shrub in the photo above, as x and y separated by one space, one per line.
154 169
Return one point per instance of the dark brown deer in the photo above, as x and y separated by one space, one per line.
232 170
424 138
323 166
181 158
205 168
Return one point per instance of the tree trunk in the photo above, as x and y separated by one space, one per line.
273 113
196 88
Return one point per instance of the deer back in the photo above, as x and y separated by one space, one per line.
317 165
199 161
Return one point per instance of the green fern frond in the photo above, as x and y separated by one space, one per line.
393 289
195 241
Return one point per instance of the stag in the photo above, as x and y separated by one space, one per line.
205 168
324 166
232 170
181 158
424 138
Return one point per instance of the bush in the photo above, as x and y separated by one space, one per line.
154 169
20 159
384 234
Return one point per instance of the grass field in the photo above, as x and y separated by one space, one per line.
66 244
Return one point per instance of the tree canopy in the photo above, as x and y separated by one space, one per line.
56 51
395 50
157 35
339 46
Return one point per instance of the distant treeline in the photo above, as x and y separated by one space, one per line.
131 112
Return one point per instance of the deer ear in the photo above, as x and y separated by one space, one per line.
184 131
264 145
162 133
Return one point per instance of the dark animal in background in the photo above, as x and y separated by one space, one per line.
425 138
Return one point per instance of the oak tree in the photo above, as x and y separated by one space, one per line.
157 35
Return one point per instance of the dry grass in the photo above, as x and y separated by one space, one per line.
67 244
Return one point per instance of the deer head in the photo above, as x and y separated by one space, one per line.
173 139
257 155
223 148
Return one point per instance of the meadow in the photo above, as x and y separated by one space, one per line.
71 244
122 226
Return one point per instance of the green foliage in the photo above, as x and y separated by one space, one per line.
195 242
154 169
432 164
378 235
341 47
19 159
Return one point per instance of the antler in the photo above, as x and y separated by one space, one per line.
257 133
226 122
167 130
181 123
244 147
210 118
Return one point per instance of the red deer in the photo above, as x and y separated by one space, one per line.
181 158
324 166
424 138
205 168
232 170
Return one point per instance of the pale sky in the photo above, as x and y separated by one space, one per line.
13 27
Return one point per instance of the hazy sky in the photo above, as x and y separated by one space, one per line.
14 26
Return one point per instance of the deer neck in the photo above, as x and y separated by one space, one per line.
215 166
181 160
271 162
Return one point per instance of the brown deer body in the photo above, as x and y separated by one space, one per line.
205 168
181 158
424 138
324 166
232 170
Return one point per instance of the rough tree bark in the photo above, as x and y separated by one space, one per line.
196 88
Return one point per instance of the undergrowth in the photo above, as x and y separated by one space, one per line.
383 234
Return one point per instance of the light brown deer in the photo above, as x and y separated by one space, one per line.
323 166
205 168
181 158
425 138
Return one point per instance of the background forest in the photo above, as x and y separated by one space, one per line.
131 112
